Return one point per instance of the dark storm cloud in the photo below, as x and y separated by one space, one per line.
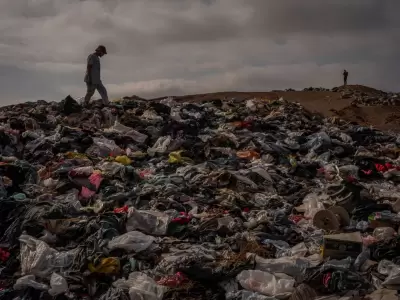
172 47
315 16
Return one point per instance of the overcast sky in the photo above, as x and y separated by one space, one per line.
173 47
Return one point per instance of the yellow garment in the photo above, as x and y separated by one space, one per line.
176 157
125 160
138 154
248 154
292 160
106 266
72 155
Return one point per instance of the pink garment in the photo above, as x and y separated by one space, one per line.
95 179
369 240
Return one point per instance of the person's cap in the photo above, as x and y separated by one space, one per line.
102 48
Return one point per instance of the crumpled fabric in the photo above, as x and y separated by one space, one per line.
106 265
95 179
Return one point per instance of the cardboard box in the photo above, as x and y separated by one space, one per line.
342 245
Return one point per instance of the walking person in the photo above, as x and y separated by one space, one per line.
92 77
345 75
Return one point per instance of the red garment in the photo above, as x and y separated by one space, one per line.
380 168
242 124
246 124
326 279
351 179
295 219
145 173
120 210
173 280
369 172
183 219
386 167
95 179
4 255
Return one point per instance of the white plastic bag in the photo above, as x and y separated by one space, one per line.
385 267
383 233
48 237
37 258
136 136
81 100
251 105
84 171
169 101
176 114
291 266
34 256
50 183
151 116
29 281
299 250
267 283
148 221
392 281
103 147
131 241
312 205
160 146
109 144
111 168
118 128
109 117
58 285
141 287
127 131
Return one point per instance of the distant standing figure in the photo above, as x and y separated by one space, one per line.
92 77
345 75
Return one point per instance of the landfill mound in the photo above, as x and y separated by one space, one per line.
215 196
353 103
368 96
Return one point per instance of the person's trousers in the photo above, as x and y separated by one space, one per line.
91 88
345 81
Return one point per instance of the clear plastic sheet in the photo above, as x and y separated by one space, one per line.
141 287
38 259
291 266
133 241
392 271
103 147
312 205
29 281
266 283
58 285
150 222
160 146
383 233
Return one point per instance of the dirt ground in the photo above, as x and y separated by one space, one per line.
326 103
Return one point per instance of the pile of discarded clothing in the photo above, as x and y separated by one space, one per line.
316 89
364 96
254 200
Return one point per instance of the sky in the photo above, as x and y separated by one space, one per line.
174 47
